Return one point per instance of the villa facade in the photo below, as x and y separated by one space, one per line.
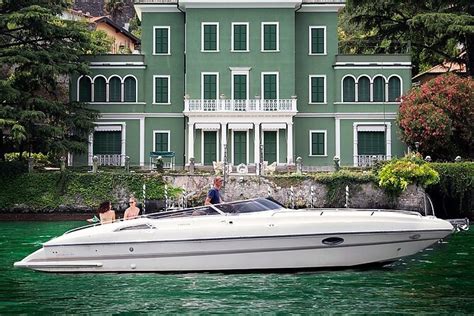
245 82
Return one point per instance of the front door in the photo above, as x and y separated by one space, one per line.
210 147
240 147
270 146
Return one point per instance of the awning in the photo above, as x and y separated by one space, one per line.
108 128
371 128
240 126
273 126
208 126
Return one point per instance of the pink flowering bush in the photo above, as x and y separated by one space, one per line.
440 116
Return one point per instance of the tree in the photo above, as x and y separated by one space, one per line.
439 115
435 29
114 8
38 51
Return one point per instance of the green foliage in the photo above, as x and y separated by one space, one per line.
433 28
454 193
11 169
39 158
38 50
50 190
396 175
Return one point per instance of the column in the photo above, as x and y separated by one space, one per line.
257 147
289 142
142 141
223 139
190 142
338 137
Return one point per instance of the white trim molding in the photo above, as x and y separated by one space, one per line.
310 40
167 27
262 39
232 48
277 142
155 131
385 127
246 145
108 126
318 131
240 71
169 89
262 83
310 89
202 83
202 37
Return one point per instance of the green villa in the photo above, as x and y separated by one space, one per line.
243 81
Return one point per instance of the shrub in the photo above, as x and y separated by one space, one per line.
396 175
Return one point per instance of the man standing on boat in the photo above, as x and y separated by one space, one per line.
214 196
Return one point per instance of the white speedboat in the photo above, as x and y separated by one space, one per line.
256 234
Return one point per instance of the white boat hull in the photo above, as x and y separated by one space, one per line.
285 239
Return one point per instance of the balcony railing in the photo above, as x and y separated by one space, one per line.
369 160
110 160
249 105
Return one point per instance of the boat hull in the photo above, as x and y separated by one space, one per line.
308 251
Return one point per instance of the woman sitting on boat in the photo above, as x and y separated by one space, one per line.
106 213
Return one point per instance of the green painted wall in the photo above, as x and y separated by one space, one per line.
176 128
302 137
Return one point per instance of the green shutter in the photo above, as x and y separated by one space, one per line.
240 37
379 89
270 146
269 87
85 89
348 93
161 41
363 89
240 147
107 143
270 37
371 143
317 89
240 87
161 141
99 90
317 144
210 37
210 145
394 89
210 87
130 90
317 41
115 90
161 90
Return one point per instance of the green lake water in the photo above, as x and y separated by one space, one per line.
437 281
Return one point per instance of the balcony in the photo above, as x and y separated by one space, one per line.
249 105
369 160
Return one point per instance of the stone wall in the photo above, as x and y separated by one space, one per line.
366 195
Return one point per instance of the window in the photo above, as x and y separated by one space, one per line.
317 40
161 40
162 89
210 37
209 86
317 88
240 37
348 89
115 89
270 86
107 143
394 89
85 89
270 34
240 87
363 89
379 89
130 89
100 89
161 141
317 143
371 143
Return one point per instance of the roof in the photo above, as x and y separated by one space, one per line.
118 28
446 66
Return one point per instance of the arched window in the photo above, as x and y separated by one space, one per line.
85 89
99 89
379 89
130 89
115 90
394 89
348 90
363 89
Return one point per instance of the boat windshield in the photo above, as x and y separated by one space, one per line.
249 206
